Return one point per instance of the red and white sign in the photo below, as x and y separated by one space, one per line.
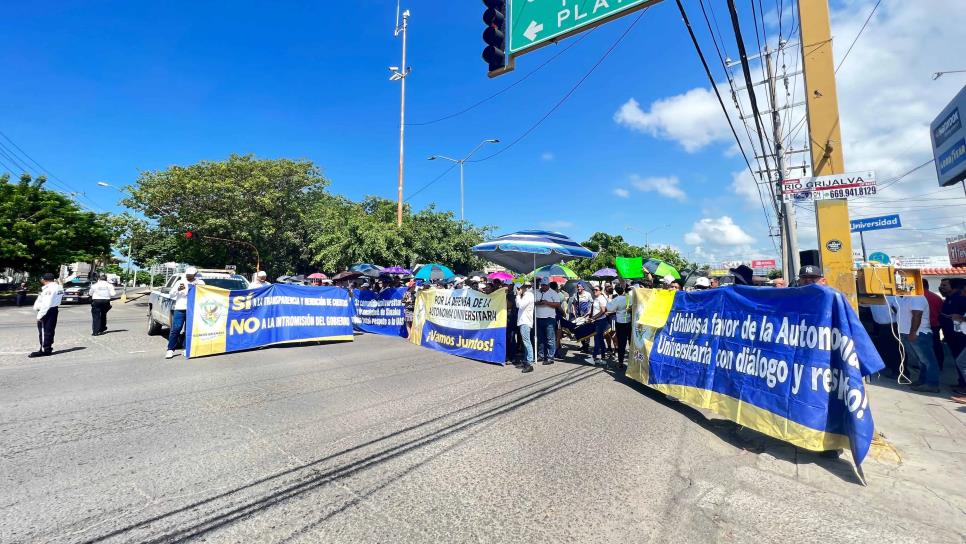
956 246
764 263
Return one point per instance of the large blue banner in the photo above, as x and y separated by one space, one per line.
220 321
786 362
380 313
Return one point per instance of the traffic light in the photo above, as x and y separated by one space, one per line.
495 34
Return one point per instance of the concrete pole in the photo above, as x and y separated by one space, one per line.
789 229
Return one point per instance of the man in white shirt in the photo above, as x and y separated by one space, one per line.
598 314
622 321
546 304
260 280
524 304
46 307
179 293
913 324
101 293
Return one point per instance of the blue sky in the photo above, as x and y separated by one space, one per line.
101 91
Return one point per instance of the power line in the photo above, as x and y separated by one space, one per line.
508 87
570 92
857 36
54 179
432 181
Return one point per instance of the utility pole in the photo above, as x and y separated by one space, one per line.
400 73
789 232
831 216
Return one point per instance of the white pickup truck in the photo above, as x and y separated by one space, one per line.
161 305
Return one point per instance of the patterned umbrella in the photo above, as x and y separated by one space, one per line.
526 250
659 269
434 271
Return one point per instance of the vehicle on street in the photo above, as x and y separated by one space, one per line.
77 290
161 304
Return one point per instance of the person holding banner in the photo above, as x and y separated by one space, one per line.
622 322
524 304
179 293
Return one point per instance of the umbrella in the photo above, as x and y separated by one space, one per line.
555 270
433 271
502 276
396 271
571 286
366 269
605 274
526 250
347 275
659 269
318 276
479 273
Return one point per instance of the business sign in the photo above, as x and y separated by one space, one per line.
956 246
851 184
220 321
461 322
949 141
764 264
875 223
788 363
879 257
534 23
380 313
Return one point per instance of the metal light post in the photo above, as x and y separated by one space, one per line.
400 75
655 229
461 162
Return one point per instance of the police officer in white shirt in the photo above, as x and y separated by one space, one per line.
622 321
46 307
179 293
101 294
260 280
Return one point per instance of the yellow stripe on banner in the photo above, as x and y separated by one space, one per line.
753 417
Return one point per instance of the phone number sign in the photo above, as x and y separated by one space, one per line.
848 185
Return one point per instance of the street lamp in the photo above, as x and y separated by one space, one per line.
655 229
461 162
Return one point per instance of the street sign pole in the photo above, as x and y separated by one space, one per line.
862 241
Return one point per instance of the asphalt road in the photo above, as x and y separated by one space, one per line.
381 441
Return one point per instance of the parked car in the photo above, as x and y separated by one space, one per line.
77 290
161 305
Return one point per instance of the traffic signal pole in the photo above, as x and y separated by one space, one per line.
831 216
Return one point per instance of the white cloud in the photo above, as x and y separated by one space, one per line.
621 192
559 224
546 156
692 119
664 186
721 231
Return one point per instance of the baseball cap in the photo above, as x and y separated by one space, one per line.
262 274
667 279
810 270
191 270
47 277
702 282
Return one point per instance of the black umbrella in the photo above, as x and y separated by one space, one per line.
347 275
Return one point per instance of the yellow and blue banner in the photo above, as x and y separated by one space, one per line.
786 362
220 321
461 322
380 313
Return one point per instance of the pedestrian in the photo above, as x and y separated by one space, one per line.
22 294
743 275
546 303
779 283
580 307
561 312
811 275
622 322
885 334
668 283
935 308
609 341
701 283
260 280
179 292
46 305
598 315
953 291
525 306
101 294
913 322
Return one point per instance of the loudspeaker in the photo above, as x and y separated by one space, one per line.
809 256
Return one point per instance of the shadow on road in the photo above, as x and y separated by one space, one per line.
311 476
112 331
68 350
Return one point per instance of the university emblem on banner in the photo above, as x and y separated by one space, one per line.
212 310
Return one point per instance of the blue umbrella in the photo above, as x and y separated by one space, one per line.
527 250
434 271
367 269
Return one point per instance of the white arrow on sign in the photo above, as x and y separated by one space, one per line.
531 32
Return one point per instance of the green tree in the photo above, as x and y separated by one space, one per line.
774 273
44 229
258 201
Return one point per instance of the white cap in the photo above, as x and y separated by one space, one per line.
262 274
191 270
667 279
702 282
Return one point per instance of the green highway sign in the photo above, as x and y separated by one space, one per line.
534 23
